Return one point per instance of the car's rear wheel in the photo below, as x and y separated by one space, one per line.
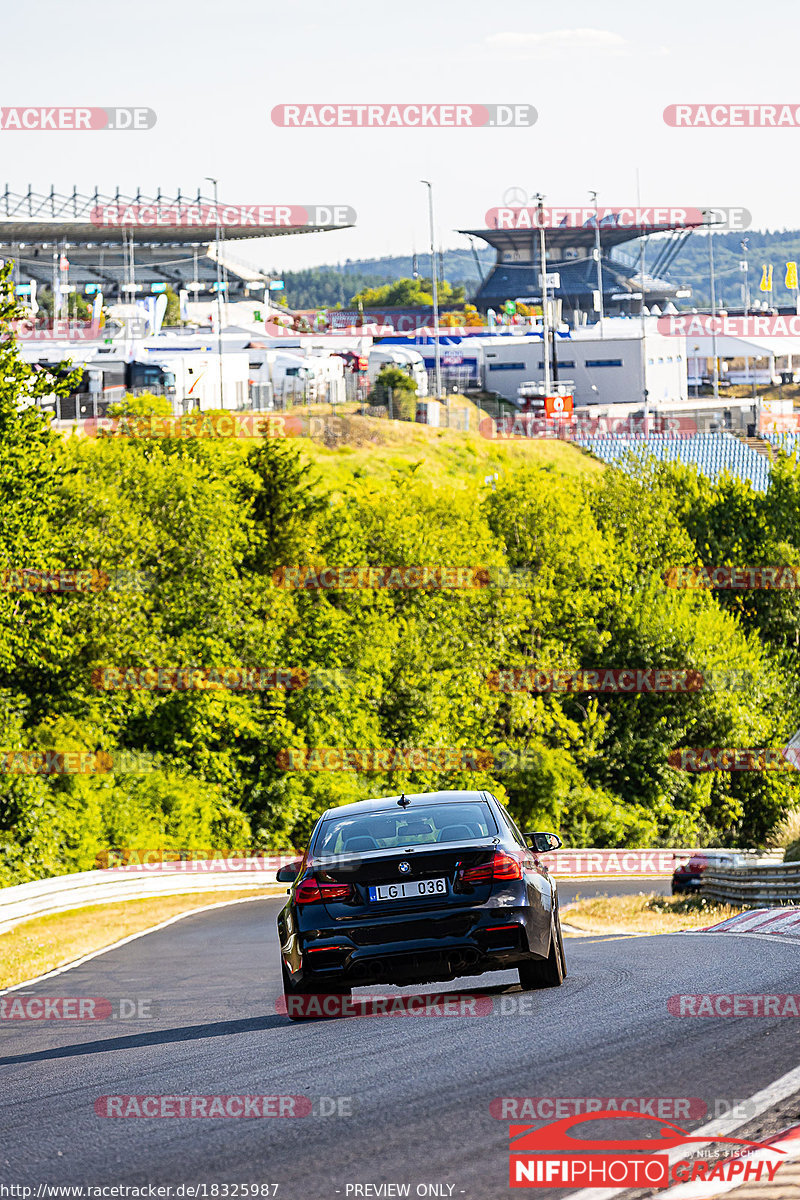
547 972
308 989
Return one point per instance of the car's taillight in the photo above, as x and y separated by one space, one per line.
311 892
506 866
502 866
482 874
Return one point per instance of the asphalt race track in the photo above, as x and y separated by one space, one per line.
571 889
419 1087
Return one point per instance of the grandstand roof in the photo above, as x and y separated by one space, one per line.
107 219
569 237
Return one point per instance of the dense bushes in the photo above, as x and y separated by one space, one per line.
189 534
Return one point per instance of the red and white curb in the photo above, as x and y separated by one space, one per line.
788 1142
780 921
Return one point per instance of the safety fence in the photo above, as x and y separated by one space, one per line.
153 874
758 885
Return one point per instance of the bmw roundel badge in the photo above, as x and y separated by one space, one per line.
404 868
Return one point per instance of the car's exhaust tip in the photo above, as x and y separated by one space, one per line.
372 968
463 960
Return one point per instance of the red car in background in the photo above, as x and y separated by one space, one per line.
688 876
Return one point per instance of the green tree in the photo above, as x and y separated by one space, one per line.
172 313
393 387
415 293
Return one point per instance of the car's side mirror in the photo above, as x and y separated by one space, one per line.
289 873
542 842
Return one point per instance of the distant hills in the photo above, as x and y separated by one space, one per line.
325 286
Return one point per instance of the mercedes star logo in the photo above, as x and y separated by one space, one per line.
515 195
404 868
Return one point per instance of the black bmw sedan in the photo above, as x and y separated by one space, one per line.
417 889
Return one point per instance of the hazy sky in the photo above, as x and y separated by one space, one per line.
599 74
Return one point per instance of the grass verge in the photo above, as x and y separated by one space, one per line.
44 943
379 450
644 914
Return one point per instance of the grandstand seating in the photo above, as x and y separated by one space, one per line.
789 443
711 453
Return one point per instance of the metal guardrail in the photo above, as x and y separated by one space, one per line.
758 885
761 885
43 897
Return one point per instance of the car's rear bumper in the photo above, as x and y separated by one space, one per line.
466 943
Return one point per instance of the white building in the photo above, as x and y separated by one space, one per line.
610 370
757 360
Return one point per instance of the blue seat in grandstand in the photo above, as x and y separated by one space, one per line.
789 443
711 453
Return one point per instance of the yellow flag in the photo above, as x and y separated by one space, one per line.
791 275
766 278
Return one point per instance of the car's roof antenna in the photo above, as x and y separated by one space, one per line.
403 802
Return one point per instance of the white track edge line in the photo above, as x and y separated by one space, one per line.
780 1088
693 1189
132 937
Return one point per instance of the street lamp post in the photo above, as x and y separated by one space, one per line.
545 298
436 351
745 268
597 259
219 290
712 282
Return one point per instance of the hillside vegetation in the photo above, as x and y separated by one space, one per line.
187 538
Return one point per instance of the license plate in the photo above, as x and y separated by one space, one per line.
409 890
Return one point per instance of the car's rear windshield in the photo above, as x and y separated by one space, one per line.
420 826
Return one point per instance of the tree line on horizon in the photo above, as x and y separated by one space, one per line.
327 286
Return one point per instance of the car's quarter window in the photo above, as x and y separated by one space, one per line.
506 818
419 826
